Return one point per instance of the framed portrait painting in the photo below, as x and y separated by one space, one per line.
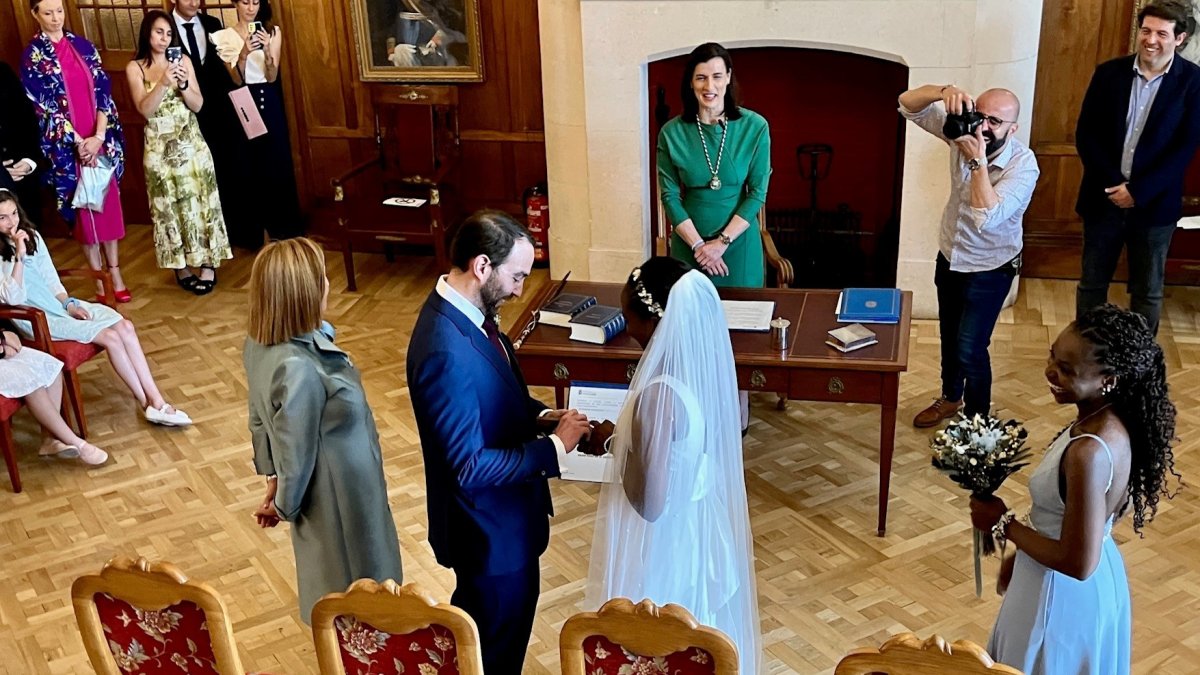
418 40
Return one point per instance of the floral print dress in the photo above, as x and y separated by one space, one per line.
189 227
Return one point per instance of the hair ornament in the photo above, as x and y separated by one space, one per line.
643 294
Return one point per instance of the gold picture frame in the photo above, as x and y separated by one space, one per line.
417 40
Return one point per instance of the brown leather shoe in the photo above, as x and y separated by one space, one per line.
934 414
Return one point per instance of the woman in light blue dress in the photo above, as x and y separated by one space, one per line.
28 277
1067 607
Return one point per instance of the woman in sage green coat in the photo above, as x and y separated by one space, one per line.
714 163
313 433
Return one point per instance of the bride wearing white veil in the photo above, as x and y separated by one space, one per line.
673 524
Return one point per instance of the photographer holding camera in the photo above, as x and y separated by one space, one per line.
992 176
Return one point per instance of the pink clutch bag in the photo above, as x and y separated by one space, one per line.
247 112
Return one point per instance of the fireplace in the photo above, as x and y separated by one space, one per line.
596 61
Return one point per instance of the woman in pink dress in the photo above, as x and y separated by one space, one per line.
72 97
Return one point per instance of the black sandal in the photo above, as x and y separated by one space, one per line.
187 283
205 286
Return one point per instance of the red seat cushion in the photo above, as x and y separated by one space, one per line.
74 354
366 649
605 657
174 639
8 407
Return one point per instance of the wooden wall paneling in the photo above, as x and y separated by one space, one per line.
13 33
524 75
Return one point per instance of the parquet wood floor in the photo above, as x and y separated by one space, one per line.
825 582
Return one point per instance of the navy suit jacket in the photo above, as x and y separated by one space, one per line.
1164 151
486 468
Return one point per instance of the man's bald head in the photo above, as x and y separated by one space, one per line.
997 101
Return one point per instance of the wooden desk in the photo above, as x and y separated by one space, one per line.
809 370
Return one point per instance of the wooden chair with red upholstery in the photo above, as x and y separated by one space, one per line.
624 637
142 616
385 628
906 654
9 406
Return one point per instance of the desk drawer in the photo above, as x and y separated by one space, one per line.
549 371
755 378
847 386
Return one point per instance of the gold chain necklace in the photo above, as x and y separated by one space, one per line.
715 182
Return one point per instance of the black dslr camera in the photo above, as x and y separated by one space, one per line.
957 126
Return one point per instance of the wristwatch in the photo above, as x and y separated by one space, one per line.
724 239
974 164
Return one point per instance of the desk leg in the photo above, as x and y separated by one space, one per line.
560 398
887 444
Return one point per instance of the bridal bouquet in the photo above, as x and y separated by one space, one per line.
979 453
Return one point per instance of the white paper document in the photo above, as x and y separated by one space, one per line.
599 402
410 202
748 315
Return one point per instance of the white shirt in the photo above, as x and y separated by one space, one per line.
975 239
198 29
475 316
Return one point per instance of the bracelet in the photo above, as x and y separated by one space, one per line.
724 238
698 244
68 302
998 530
944 88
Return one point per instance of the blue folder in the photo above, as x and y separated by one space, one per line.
869 305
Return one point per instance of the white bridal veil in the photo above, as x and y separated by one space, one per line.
673 524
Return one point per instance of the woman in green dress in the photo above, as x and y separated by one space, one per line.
714 163
189 227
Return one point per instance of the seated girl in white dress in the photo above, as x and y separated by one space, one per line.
36 377
673 524
28 277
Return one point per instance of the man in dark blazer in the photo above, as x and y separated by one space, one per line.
486 466
1138 131
21 159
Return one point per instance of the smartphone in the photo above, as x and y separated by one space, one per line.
174 54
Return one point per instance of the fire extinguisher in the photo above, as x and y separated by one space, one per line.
537 215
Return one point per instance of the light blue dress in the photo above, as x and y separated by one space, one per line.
41 288
1053 624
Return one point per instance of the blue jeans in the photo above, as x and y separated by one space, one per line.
1103 238
968 305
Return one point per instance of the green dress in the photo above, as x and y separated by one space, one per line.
745 170
189 228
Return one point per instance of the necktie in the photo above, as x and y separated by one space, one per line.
193 48
493 336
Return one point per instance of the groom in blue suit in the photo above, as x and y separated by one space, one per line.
486 464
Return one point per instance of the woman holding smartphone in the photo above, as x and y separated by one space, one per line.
273 201
189 228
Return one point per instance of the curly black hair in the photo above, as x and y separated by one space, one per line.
1125 348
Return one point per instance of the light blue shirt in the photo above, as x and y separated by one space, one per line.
975 239
1141 98
460 302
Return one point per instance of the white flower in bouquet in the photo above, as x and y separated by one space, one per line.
979 454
